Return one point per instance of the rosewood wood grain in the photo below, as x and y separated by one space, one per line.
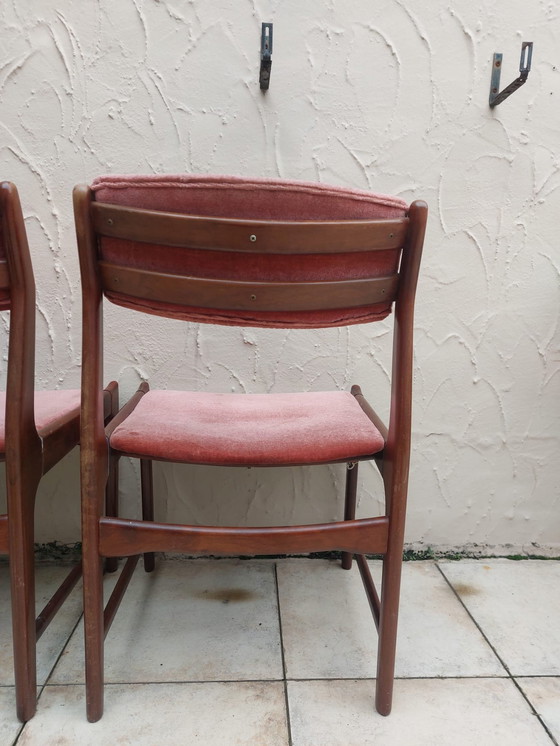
118 592
23 448
254 236
46 616
396 457
147 490
3 534
369 587
378 457
127 537
245 296
350 505
4 275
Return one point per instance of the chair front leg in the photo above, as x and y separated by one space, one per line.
21 504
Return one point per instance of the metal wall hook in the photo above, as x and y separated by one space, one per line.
524 67
266 56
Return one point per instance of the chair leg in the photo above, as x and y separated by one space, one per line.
21 502
350 505
112 504
147 488
94 637
388 621
94 631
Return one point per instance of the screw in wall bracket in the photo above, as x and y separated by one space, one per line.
266 56
524 67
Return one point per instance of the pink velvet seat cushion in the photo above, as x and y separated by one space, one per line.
247 429
249 199
51 407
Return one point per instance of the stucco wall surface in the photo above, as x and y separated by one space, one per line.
387 95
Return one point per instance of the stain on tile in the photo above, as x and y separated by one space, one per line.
207 620
464 589
226 595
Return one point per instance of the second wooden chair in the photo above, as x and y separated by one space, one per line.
241 252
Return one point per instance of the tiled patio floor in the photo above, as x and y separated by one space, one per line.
271 653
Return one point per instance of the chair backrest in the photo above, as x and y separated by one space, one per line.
295 255
17 294
251 252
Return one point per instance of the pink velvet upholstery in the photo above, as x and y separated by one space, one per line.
256 199
247 429
50 407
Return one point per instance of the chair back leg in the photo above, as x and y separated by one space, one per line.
93 604
350 505
388 624
147 488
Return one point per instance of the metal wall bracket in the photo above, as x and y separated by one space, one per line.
266 56
524 67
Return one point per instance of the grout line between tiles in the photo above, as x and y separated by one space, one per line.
171 682
498 656
287 703
182 682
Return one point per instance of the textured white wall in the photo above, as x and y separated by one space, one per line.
389 95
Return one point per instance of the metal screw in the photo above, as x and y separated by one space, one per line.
252 238
253 297
109 221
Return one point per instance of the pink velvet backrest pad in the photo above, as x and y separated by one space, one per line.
249 199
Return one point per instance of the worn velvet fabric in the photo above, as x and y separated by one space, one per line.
50 407
249 199
248 429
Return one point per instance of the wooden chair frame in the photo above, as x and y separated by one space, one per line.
29 454
111 537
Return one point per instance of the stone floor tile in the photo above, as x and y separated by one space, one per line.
203 620
544 695
426 712
9 724
48 578
517 605
234 714
328 630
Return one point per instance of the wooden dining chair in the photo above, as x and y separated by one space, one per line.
36 430
242 252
